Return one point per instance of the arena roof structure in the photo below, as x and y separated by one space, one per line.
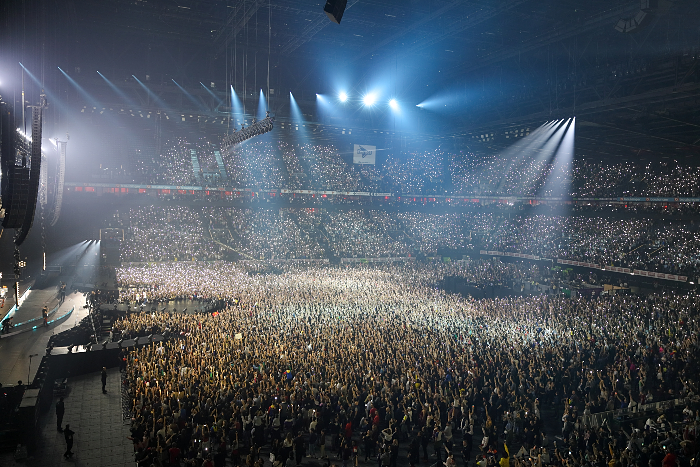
627 70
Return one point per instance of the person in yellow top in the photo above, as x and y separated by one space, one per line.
505 460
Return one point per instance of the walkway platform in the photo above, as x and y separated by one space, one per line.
16 347
96 419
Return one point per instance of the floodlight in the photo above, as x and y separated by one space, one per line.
369 99
342 97
393 104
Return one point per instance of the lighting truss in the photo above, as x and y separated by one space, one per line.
245 133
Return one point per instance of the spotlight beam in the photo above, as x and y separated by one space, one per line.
91 100
558 183
236 106
156 99
190 96
515 154
544 154
262 105
218 99
50 95
118 91
298 120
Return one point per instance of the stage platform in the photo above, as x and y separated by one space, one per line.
177 306
24 340
9 301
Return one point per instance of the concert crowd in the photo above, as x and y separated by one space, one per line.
156 233
374 364
266 165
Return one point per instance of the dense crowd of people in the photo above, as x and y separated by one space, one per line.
368 362
264 165
654 245
167 233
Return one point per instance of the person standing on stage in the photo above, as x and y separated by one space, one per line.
60 410
104 379
68 434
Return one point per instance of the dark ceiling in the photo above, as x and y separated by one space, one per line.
506 63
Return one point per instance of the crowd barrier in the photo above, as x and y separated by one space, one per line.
632 272
597 420
378 260
122 188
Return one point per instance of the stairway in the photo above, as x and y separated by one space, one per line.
220 163
195 166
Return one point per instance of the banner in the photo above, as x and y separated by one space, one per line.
364 154
378 260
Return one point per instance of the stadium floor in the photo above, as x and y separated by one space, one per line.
96 419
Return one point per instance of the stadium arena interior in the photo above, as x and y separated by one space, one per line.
282 233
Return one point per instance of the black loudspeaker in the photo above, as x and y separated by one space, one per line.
335 9
16 203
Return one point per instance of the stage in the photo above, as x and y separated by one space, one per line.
32 338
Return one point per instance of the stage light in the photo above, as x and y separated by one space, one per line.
254 129
342 97
393 104
369 99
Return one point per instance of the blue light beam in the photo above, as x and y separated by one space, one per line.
238 115
118 91
558 183
262 105
298 123
153 95
190 97
218 99
91 100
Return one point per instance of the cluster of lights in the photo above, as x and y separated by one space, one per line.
369 100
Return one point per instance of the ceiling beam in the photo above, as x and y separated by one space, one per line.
665 96
248 13
424 20
316 26
469 22
553 35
